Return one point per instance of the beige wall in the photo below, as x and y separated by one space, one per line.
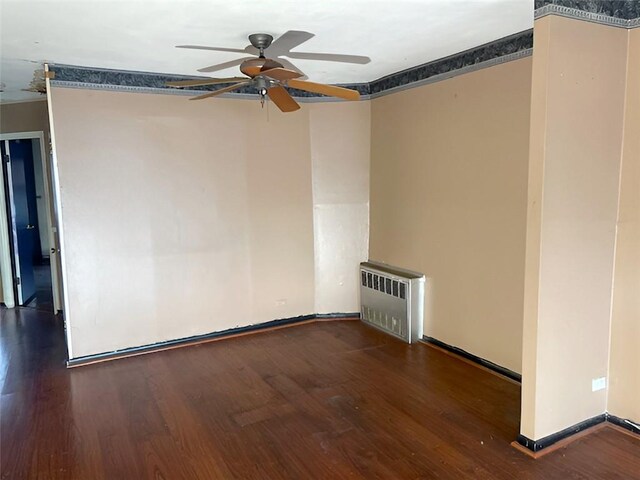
624 368
539 86
576 125
24 117
448 198
182 218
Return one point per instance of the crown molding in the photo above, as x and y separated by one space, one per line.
624 9
625 14
183 92
147 82
454 73
509 48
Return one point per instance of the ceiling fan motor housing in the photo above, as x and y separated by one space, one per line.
261 41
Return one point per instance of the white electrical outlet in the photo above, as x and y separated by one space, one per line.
598 384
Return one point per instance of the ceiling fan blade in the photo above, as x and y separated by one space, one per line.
287 41
282 99
330 57
290 66
220 91
269 64
222 66
330 90
205 81
215 49
281 73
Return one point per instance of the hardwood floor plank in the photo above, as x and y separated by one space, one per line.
334 400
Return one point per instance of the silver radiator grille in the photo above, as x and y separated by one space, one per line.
384 284
391 300
386 322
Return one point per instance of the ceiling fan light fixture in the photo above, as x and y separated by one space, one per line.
261 85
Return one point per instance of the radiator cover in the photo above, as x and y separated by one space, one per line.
392 300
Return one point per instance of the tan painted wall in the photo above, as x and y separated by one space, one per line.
624 368
24 117
576 125
539 88
182 218
448 198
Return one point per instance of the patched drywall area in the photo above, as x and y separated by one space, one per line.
180 218
340 150
448 198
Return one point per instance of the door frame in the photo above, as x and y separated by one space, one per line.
52 225
6 266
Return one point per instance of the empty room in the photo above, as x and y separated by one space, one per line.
264 239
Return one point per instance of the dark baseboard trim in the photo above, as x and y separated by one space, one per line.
475 359
625 423
574 432
325 316
537 445
196 339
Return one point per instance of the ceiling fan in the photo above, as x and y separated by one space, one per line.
268 76
280 50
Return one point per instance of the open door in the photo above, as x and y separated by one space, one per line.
28 224
18 158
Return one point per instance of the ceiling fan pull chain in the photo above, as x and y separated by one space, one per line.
268 102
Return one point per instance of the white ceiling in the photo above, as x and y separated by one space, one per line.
141 35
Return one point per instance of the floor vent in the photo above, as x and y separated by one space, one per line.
392 300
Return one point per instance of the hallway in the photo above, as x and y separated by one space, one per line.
43 299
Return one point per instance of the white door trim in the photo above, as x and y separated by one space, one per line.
61 250
5 254
23 136
36 135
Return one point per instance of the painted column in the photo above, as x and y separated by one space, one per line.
578 96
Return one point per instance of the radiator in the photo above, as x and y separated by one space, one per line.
392 300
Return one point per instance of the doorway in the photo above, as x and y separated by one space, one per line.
29 264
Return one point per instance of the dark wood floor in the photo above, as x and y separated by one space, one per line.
325 400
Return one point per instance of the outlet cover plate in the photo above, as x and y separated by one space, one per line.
598 384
